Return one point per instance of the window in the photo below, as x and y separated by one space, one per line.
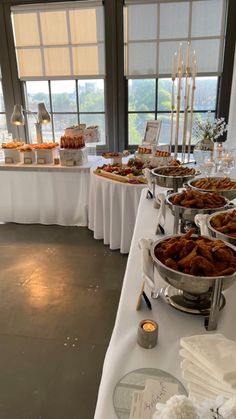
153 32
3 122
69 102
64 68
151 99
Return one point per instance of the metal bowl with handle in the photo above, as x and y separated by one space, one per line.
188 214
227 193
170 182
195 285
215 233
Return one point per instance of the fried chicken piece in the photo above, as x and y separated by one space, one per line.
173 249
201 266
186 261
171 264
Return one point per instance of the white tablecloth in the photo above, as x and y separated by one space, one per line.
45 194
124 354
112 211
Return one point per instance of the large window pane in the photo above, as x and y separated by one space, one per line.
206 91
95 119
37 91
91 95
61 122
164 95
142 95
63 96
207 17
3 122
46 130
174 20
142 22
137 124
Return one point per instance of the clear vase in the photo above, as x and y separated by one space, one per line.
203 151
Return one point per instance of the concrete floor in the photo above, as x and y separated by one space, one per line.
59 291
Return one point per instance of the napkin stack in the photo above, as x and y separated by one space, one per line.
209 366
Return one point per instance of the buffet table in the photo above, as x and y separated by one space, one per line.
112 211
124 354
45 194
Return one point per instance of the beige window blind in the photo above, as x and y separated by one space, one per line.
58 40
154 29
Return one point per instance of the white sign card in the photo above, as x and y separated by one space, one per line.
155 391
152 132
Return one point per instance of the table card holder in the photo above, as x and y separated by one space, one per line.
41 160
28 160
9 160
70 163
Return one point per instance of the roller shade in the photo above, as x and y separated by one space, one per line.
154 29
58 40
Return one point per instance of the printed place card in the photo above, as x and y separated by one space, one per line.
9 160
28 160
41 161
155 391
70 163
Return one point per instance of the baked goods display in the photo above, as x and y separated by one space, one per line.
45 146
176 171
198 256
144 150
74 130
215 184
161 153
13 145
110 155
75 142
225 223
199 200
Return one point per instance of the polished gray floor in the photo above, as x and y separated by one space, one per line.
59 291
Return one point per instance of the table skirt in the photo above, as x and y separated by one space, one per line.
112 211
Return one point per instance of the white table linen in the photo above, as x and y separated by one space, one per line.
45 194
124 354
112 211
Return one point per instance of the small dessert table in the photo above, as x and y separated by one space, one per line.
45 194
124 354
112 211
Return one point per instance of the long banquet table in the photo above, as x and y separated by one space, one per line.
112 211
124 354
45 194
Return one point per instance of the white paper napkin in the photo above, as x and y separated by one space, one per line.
215 353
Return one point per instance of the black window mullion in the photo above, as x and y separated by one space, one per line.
156 98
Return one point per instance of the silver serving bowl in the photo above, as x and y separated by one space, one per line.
215 233
171 182
227 193
195 285
189 213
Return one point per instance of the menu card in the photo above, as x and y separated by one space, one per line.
144 402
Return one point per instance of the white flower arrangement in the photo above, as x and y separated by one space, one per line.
210 129
181 407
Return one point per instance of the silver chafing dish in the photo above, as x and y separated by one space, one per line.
215 233
171 182
194 294
227 193
186 215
